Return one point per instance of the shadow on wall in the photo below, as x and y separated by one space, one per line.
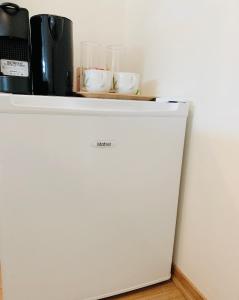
150 87
187 145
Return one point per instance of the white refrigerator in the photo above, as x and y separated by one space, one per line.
88 195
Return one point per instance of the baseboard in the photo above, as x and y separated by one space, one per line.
186 287
1 296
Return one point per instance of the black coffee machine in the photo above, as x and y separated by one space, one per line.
52 55
14 49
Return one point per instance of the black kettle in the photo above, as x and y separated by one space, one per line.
52 55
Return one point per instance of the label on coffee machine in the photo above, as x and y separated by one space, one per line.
14 67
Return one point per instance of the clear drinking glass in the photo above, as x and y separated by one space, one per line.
115 61
115 58
90 55
95 76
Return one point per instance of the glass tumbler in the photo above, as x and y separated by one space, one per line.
90 53
92 57
96 77
115 60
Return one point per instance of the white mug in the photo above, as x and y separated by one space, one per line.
97 80
126 83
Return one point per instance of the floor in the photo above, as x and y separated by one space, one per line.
164 291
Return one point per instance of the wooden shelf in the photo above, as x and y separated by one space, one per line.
115 96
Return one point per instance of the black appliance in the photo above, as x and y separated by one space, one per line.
52 55
14 49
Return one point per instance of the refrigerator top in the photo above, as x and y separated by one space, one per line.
31 104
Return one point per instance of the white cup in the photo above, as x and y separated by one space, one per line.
126 83
97 80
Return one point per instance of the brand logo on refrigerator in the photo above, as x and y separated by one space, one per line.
103 144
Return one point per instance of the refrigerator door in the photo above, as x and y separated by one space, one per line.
88 195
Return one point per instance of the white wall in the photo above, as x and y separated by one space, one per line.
190 49
93 20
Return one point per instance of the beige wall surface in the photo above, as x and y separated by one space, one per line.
190 49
